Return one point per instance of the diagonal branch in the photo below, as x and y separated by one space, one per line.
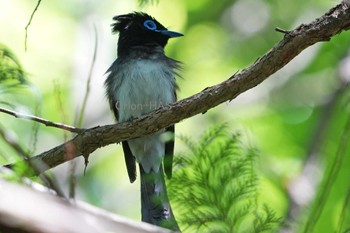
294 42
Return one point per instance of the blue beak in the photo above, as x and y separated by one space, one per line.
170 34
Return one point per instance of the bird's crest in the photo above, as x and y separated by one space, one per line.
123 22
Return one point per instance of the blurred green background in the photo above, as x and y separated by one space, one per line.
295 118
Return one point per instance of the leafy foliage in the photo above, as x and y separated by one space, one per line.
11 73
16 92
10 68
214 187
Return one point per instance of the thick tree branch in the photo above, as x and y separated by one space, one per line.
294 42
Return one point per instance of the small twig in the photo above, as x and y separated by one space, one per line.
37 111
13 144
29 22
277 29
73 179
36 166
42 121
88 81
59 105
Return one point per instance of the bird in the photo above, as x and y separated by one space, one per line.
140 80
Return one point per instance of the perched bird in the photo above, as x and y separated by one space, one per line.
141 80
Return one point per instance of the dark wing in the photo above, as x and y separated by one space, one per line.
169 145
130 160
169 153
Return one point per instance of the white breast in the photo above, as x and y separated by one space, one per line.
146 86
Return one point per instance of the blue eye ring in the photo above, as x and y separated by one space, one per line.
150 25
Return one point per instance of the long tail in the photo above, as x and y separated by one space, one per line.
155 206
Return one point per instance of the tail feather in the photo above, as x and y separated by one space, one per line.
169 153
155 206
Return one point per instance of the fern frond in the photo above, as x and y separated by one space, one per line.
264 221
214 186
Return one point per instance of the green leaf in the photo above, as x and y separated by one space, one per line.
214 186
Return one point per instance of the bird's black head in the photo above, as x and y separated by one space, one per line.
137 29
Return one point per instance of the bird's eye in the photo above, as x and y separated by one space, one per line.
150 25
